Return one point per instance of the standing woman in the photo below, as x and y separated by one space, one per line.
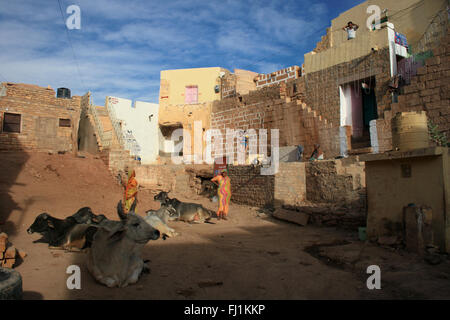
131 190
224 193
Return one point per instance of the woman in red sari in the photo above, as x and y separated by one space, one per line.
131 190
224 193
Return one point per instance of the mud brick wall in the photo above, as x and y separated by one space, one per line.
341 182
248 186
228 85
274 108
172 178
428 91
283 75
251 188
40 113
338 183
321 88
306 110
159 177
430 88
118 160
245 112
290 184
286 187
325 42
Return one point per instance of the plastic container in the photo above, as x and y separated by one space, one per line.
410 131
362 233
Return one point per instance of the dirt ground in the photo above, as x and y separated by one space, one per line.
246 257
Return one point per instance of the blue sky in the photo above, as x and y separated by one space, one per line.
124 44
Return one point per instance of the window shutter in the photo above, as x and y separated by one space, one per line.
191 94
11 122
64 123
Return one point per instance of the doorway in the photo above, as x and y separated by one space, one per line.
167 146
358 108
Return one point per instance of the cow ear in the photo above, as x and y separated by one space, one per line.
117 235
50 224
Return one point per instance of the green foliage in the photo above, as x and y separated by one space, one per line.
437 136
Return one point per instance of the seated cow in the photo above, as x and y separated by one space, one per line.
185 211
69 233
114 257
158 219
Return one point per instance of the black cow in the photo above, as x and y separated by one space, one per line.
85 215
70 233
185 211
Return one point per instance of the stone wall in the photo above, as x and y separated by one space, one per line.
172 178
320 89
307 110
228 85
324 43
290 184
238 83
428 91
251 188
276 77
87 135
118 160
331 192
277 107
338 182
40 111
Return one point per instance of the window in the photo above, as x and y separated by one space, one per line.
191 94
11 122
64 123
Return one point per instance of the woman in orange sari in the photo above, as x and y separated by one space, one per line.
224 193
131 190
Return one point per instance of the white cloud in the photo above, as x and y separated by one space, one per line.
123 45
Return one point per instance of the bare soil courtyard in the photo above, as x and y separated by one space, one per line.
246 257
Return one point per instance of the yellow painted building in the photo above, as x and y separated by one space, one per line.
409 17
185 97
190 86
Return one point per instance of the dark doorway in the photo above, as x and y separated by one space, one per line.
364 109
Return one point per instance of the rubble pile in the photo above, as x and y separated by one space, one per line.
8 253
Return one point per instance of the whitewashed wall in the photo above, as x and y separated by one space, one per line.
139 122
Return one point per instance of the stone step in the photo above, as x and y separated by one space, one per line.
360 151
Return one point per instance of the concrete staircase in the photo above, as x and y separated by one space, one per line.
110 139
316 128
326 131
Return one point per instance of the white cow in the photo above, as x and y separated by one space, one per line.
115 257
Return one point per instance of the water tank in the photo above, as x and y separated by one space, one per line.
63 93
410 131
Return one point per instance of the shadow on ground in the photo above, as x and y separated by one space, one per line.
273 260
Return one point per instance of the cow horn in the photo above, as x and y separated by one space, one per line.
133 206
120 212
